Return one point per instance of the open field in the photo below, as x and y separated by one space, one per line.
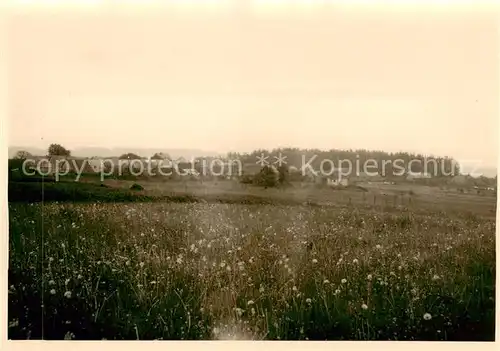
375 195
335 267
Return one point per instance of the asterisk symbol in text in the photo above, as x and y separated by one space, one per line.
280 159
262 160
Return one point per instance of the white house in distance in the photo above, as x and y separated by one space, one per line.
340 177
337 182
418 175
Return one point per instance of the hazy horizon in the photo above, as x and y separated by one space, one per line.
416 82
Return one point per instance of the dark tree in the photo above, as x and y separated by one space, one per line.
267 177
22 155
283 174
160 156
58 150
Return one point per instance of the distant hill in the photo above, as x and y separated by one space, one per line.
489 172
114 152
32 150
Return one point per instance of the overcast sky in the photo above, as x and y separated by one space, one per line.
246 78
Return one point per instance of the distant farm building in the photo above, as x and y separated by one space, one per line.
331 181
338 177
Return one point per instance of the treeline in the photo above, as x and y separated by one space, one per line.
375 161
362 160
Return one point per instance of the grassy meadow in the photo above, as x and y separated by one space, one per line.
213 270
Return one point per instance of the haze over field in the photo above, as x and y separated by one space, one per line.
242 80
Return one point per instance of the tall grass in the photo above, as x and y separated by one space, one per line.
220 271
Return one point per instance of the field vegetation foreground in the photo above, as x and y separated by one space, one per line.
248 271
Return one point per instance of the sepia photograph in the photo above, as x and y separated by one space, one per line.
251 170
